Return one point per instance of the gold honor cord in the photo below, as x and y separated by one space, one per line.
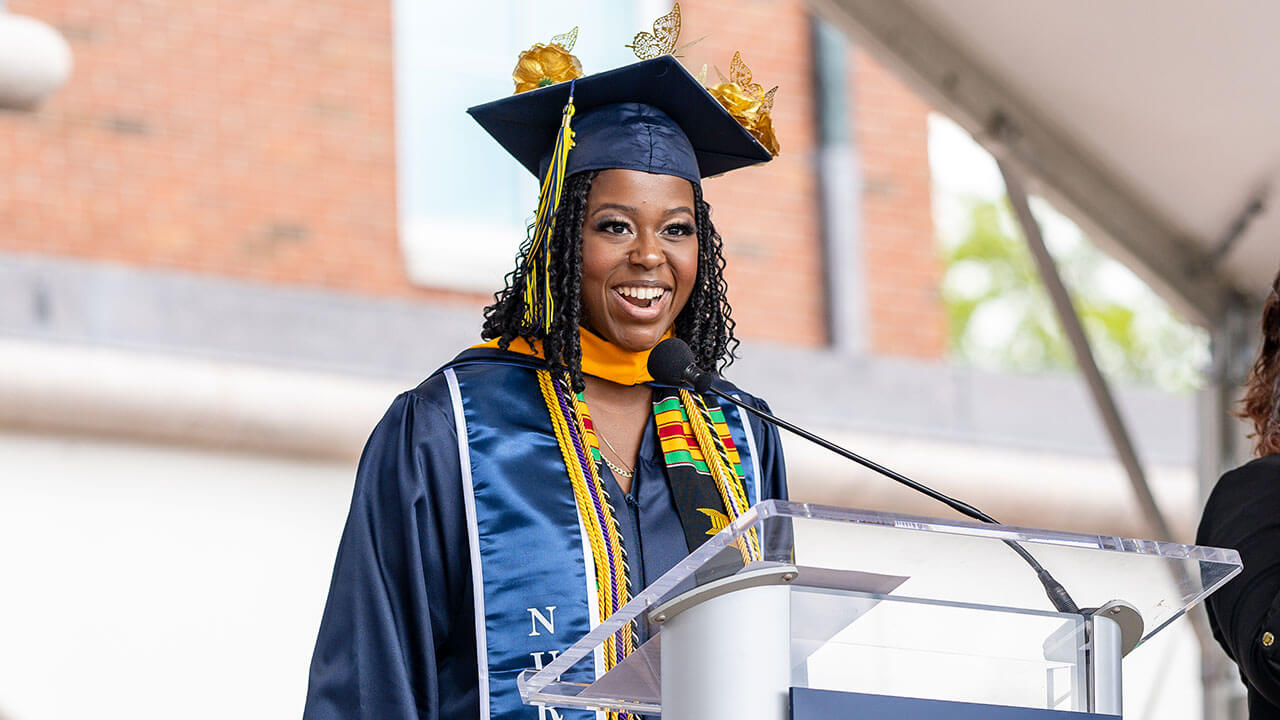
727 481
607 554
539 307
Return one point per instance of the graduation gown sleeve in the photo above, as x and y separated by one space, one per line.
387 646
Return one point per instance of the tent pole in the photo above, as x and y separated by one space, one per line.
1103 398
1223 445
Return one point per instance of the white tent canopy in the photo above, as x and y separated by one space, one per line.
1155 124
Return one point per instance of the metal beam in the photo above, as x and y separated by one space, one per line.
1107 209
840 193
1224 445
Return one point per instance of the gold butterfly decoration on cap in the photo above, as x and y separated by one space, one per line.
566 40
740 74
747 102
662 41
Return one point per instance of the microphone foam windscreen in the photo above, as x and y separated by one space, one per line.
669 360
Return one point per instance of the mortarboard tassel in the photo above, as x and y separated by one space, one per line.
539 307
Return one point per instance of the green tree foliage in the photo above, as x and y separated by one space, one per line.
1001 318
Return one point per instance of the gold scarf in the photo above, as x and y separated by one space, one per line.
600 357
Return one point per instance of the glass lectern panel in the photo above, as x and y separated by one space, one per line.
904 605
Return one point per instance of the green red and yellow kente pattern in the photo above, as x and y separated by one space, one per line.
588 427
680 445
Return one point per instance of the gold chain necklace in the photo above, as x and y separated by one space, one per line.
620 471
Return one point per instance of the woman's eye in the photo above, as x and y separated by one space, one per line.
681 229
615 227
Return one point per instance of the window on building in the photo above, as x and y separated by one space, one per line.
464 204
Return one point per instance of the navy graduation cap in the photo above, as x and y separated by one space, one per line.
651 116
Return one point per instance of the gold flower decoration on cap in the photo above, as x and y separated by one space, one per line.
543 65
748 102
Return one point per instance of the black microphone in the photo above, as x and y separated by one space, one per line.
672 362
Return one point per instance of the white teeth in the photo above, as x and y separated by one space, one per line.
640 293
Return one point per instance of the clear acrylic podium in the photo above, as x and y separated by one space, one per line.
806 598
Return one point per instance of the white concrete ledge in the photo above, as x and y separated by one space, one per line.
187 315
53 388
48 388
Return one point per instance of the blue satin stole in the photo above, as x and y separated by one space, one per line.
530 559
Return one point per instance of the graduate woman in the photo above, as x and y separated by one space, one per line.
521 493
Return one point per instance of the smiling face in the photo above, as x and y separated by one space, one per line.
639 256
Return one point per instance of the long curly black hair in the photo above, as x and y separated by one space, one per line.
706 322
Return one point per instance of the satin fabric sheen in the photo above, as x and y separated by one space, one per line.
531 557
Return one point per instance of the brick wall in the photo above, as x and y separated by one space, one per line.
242 138
768 215
256 140
903 265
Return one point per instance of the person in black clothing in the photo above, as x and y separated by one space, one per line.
1243 512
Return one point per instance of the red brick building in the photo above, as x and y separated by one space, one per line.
257 141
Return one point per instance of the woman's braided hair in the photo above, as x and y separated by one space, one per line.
706 322
1261 402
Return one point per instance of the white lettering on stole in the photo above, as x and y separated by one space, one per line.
545 713
537 657
548 621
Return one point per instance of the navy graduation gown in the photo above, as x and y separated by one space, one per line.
398 636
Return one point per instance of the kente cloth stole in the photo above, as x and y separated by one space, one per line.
704 469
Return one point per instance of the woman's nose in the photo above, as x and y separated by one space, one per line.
647 251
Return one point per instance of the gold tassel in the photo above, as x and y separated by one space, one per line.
539 307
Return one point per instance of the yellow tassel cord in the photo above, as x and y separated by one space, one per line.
727 481
608 566
539 307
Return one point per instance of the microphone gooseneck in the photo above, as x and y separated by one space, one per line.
672 363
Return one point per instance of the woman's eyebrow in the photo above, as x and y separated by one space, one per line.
616 206
630 209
